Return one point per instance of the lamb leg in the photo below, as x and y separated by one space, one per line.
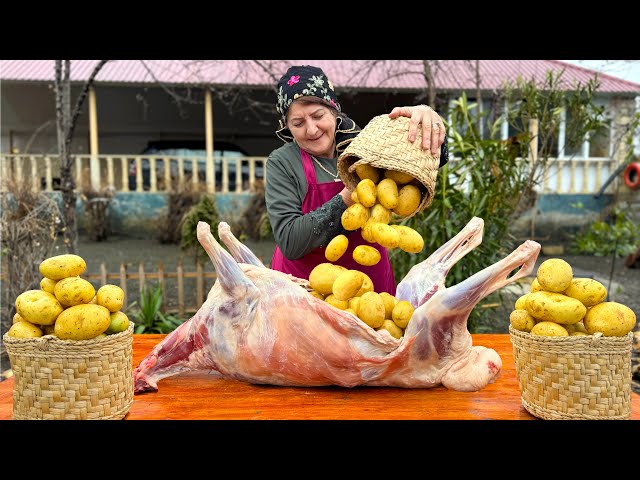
427 277
238 250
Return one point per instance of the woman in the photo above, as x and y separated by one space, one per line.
304 195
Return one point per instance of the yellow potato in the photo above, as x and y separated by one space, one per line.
521 320
392 328
354 197
554 275
111 297
371 309
385 235
410 240
409 198
347 284
367 232
119 323
62 266
578 334
366 170
589 291
354 216
353 304
74 291
366 191
399 177
613 319
367 286
47 284
380 214
17 318
336 302
38 306
82 322
535 286
366 255
351 311
322 277
313 293
389 303
579 327
549 329
336 248
402 313
388 193
24 330
521 303
555 307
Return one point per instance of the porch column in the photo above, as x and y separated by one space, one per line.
636 134
208 121
533 143
94 164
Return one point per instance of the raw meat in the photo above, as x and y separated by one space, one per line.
263 327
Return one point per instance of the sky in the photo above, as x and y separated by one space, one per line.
625 69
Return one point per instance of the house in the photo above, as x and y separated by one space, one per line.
150 126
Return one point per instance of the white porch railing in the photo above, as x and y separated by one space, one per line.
148 173
136 173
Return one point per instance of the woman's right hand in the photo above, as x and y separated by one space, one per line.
433 131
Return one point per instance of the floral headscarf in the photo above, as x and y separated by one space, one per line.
306 80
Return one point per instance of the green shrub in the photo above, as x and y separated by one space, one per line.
147 314
203 211
619 236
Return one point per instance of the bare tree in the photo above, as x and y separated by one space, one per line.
380 72
66 122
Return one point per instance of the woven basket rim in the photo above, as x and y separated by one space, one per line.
597 338
114 337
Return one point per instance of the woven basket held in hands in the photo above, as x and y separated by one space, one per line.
574 378
72 379
384 143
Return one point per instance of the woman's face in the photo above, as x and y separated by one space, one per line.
313 127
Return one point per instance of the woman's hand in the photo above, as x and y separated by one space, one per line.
433 131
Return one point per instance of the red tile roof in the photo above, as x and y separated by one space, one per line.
361 74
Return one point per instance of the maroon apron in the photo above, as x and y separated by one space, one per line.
317 195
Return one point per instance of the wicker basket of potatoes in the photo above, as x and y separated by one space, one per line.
70 347
572 349
382 153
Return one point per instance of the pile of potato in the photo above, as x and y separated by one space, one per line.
376 200
561 305
352 291
68 306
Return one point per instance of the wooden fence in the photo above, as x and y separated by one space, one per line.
183 304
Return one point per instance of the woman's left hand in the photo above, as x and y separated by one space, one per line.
433 131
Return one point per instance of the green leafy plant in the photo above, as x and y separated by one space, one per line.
203 211
148 316
620 236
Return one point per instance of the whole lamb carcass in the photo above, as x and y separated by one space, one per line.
261 326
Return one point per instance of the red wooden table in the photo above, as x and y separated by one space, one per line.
201 396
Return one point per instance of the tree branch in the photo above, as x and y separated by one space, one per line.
81 97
